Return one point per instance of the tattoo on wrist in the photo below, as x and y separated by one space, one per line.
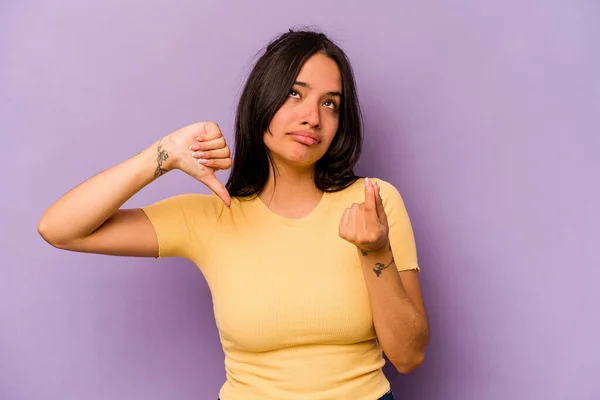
366 253
379 267
161 156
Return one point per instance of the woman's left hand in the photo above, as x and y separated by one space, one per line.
365 225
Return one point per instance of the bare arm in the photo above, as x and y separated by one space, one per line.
398 311
89 219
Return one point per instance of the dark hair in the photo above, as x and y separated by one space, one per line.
266 89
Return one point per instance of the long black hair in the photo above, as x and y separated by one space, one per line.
266 89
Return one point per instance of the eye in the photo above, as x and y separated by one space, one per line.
331 104
294 94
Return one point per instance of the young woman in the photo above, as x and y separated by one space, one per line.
313 270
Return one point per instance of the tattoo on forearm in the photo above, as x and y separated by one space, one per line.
160 157
379 267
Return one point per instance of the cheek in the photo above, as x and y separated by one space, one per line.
282 120
277 128
330 129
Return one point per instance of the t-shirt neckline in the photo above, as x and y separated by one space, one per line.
265 212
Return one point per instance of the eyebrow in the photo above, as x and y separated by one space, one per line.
306 85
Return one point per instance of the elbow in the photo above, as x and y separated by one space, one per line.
414 355
413 358
44 230
48 233
407 366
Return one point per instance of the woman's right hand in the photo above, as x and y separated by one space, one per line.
199 150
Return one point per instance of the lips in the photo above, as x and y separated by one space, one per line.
305 137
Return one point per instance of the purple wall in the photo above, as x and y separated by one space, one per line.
486 117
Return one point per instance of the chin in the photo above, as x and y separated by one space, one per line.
297 160
301 163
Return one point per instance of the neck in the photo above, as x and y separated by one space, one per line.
290 187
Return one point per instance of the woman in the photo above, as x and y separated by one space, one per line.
313 270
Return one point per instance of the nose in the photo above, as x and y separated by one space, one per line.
311 115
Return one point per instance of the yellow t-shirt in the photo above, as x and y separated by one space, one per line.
290 300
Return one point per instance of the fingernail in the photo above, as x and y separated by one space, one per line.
198 138
197 154
202 161
367 182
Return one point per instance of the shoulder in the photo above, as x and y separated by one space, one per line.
357 189
389 192
393 202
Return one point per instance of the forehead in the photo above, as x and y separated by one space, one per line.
321 73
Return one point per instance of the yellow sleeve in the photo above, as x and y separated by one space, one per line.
184 224
402 238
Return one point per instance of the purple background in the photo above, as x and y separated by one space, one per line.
485 115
